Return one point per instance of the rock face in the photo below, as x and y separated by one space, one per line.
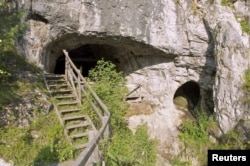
159 45
232 60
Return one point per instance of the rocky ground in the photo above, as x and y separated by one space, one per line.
22 109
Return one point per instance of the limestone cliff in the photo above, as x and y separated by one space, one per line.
159 44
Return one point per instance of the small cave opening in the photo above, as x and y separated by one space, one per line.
84 58
187 96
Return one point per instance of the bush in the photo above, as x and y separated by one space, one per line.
128 149
195 138
110 87
124 147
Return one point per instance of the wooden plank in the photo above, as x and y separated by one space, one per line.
74 117
77 126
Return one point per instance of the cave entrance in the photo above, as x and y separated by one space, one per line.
84 58
187 96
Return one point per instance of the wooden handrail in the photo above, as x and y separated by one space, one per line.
76 77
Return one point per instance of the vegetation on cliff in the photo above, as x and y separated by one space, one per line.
124 147
198 136
10 29
41 140
246 85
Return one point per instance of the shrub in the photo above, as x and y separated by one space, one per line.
124 147
110 87
195 138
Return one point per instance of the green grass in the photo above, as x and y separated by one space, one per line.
195 140
246 86
195 136
43 141
128 149
227 2
245 27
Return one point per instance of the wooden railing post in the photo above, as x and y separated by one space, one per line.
106 133
66 66
79 88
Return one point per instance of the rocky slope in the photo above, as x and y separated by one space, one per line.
161 45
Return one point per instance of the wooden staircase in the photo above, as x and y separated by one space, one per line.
77 125
67 92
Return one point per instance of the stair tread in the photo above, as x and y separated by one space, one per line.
81 146
58 91
52 82
53 75
66 96
79 135
74 117
77 125
68 103
69 110
58 85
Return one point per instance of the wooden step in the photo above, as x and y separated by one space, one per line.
53 82
74 118
77 126
58 86
61 91
68 103
54 75
65 97
81 146
70 110
79 135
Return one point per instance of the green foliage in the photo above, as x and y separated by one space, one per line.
246 85
227 2
10 29
196 132
176 161
43 142
232 140
125 148
110 87
245 27
129 149
195 138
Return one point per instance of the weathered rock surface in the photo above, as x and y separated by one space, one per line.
24 107
232 61
160 45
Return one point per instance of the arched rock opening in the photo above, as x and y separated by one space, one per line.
86 57
187 96
85 51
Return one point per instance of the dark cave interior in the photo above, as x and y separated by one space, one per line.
191 92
